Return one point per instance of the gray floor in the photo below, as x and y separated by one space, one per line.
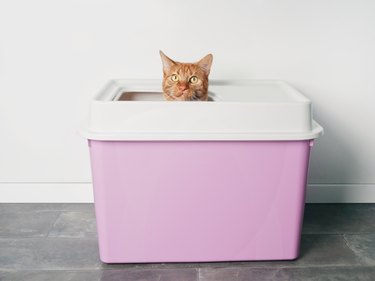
58 242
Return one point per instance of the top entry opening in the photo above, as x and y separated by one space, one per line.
145 96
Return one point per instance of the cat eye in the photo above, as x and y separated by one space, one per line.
175 78
193 79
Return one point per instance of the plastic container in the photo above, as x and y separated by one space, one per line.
222 180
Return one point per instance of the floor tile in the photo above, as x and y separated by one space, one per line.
74 225
339 218
363 246
338 244
326 274
30 207
46 207
342 273
236 274
49 275
79 207
26 224
49 253
181 274
324 250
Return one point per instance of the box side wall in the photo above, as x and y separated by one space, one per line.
199 201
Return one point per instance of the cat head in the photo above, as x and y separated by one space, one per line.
186 81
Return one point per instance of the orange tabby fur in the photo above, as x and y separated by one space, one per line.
186 81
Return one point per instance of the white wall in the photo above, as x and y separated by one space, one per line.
55 55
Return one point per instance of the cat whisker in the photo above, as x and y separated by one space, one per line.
195 98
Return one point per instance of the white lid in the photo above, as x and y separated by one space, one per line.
238 110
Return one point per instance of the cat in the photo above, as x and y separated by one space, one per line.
185 81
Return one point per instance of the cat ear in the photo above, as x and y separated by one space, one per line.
205 63
167 62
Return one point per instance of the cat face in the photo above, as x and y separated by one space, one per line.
186 81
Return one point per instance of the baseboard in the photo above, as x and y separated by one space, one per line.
81 192
77 192
340 193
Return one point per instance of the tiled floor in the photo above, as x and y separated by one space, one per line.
58 242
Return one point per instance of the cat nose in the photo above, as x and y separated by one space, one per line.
182 86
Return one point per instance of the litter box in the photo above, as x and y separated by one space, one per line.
219 180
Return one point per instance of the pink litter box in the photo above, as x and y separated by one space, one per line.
221 180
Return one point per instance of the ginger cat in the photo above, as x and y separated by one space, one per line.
186 81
